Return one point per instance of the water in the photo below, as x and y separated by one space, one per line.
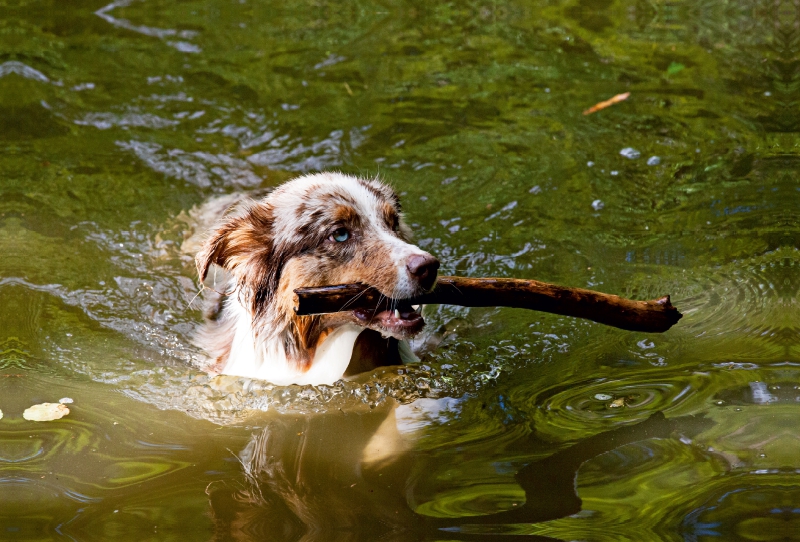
116 120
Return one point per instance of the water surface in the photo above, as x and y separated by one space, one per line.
116 120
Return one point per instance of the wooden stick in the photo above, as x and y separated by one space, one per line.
654 316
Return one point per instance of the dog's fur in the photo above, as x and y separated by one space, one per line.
315 230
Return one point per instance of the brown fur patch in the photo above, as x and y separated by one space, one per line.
390 216
304 336
372 351
345 215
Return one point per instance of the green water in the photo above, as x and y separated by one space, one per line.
117 119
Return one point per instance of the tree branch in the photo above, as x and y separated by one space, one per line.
653 316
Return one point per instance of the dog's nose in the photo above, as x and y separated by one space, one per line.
423 268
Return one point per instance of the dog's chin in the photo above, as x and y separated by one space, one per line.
402 323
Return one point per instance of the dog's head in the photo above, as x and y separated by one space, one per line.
319 230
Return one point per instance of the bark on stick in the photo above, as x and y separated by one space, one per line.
655 316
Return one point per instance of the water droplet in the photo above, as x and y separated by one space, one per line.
653 161
630 152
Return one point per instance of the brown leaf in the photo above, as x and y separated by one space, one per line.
611 101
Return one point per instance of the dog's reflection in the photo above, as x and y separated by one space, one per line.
334 476
342 477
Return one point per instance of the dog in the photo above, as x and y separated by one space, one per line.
315 230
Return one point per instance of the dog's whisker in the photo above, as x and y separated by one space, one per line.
202 287
380 300
353 299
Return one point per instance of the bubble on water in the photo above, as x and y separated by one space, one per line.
535 190
603 397
65 400
645 344
83 86
614 173
598 204
653 161
630 152
589 163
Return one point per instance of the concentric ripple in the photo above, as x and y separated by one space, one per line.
596 404
748 309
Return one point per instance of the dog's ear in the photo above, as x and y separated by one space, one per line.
239 238
244 245
212 251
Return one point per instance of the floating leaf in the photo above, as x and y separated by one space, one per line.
45 412
617 403
674 68
611 101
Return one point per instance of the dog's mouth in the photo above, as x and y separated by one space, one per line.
400 322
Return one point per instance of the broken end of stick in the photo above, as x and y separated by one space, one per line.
672 314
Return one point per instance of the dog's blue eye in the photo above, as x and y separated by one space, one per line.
340 236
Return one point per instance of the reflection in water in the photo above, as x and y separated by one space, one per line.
761 509
117 119
309 484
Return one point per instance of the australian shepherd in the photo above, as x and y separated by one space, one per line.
316 230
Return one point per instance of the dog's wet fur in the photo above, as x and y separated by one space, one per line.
316 230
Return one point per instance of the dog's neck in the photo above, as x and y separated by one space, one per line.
264 355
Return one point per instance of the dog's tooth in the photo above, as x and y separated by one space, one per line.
397 313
